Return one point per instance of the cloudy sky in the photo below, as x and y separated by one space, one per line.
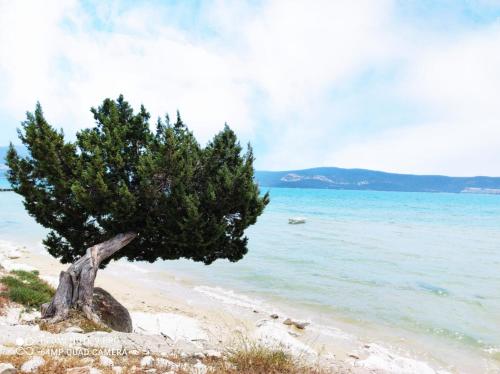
404 86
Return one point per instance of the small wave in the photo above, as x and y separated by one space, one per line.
380 358
229 297
331 331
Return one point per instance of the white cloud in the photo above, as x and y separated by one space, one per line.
289 75
71 70
298 50
456 84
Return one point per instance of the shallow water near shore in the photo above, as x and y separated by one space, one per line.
416 270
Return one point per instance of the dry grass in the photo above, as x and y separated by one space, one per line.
76 319
4 304
257 359
60 364
55 365
250 360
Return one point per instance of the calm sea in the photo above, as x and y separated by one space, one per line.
421 265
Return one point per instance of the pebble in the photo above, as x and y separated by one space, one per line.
117 370
105 361
199 368
297 324
212 353
74 329
301 325
274 316
6 368
163 363
198 355
147 361
32 365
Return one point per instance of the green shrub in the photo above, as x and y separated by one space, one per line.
26 288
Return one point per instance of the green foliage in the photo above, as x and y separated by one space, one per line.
27 288
184 200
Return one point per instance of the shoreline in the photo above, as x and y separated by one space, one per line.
414 351
185 308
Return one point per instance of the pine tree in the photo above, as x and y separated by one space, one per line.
122 190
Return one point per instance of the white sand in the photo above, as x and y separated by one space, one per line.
174 326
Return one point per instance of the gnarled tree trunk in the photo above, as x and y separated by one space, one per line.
76 285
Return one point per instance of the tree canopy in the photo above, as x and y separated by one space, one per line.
183 200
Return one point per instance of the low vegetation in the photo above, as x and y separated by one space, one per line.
53 364
257 359
250 360
75 319
26 288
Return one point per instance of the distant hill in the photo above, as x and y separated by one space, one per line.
361 179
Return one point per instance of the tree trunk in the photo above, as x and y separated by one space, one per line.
76 285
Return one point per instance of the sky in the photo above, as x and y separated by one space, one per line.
394 85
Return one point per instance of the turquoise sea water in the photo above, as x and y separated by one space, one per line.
3 181
420 264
